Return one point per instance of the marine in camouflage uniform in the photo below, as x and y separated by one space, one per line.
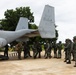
72 52
48 50
38 50
68 51
6 50
34 49
26 49
59 46
19 49
74 49
45 48
65 50
55 49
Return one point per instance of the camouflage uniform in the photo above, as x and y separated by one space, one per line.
59 46
28 50
55 49
25 49
6 51
65 50
68 51
38 50
45 48
34 50
19 49
48 50
74 49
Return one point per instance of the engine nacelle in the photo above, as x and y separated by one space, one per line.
3 42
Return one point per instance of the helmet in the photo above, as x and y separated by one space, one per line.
66 40
74 38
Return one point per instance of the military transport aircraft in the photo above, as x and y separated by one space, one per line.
46 28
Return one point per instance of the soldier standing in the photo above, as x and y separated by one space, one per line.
25 49
34 49
45 48
38 50
28 49
19 49
68 51
74 49
59 46
72 52
48 50
65 50
55 49
6 51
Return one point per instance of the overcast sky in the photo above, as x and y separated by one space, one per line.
65 13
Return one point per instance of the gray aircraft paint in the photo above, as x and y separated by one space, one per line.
47 23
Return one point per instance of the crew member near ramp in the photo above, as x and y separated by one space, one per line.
19 49
6 51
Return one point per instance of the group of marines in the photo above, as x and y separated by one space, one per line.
69 49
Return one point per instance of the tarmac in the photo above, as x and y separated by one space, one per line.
39 66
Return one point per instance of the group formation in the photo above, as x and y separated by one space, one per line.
69 48
37 48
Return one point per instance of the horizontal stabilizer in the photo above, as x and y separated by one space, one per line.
47 23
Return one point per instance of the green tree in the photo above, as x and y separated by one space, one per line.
33 26
12 17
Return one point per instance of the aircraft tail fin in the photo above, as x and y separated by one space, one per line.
22 24
47 23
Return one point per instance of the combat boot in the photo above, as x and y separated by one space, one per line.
64 60
69 62
75 64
